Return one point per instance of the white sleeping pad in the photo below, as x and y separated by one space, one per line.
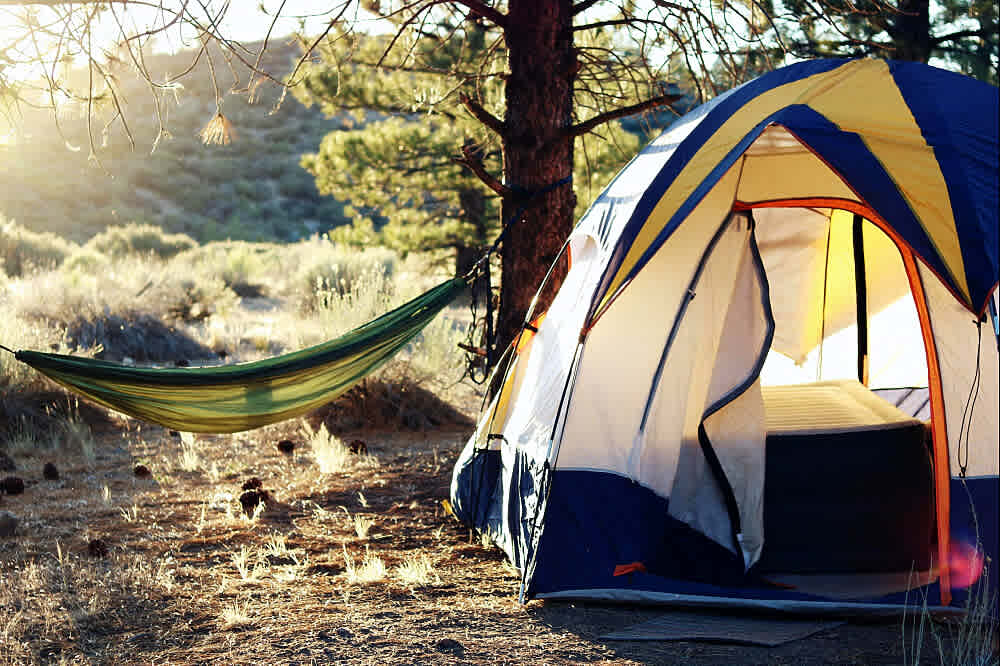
842 405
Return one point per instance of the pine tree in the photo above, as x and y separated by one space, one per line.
399 158
962 34
485 108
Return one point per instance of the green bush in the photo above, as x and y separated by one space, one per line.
23 251
329 270
86 260
139 240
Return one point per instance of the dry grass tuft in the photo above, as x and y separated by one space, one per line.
330 453
971 640
416 571
234 615
250 565
362 524
190 460
371 570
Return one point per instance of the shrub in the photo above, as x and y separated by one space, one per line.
23 251
86 261
139 239
334 278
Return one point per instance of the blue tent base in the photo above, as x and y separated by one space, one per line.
596 521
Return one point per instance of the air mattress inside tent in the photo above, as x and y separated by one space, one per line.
848 484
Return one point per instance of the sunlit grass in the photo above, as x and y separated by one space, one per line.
330 453
236 615
416 571
371 569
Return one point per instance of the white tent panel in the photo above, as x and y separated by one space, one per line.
793 246
958 353
896 351
736 431
623 349
682 394
805 249
543 374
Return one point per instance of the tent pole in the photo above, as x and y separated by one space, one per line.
939 430
861 297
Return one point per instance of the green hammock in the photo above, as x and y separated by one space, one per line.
244 396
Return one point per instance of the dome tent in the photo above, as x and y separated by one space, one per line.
634 450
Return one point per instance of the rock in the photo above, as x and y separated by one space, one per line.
142 472
249 499
449 645
12 485
8 524
50 472
286 446
7 463
358 447
253 483
97 548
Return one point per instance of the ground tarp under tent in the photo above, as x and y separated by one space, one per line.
718 406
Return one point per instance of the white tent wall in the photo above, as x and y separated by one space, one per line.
958 345
804 249
604 424
736 428
543 370
793 245
623 349
682 396
540 375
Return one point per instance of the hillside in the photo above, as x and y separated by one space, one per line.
252 189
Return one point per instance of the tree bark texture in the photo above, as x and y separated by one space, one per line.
537 153
911 31
473 203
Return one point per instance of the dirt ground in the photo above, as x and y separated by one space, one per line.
109 567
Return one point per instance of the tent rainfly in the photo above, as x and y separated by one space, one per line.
769 378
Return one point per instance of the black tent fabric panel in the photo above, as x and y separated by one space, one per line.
848 502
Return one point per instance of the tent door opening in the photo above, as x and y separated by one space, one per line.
849 479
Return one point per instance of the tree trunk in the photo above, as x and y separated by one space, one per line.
473 203
911 31
537 154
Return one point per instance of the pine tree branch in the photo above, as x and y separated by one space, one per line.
960 34
583 6
671 5
621 112
482 115
482 9
603 24
473 161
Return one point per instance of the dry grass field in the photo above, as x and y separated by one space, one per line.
160 547
353 563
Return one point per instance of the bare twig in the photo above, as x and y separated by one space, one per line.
482 115
472 160
621 112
